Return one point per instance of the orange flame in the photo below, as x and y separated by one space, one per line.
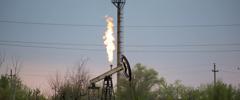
109 38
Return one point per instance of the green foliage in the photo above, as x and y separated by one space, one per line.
13 88
4 88
141 86
71 92
147 86
220 91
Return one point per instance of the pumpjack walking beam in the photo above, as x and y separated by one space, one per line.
107 92
124 66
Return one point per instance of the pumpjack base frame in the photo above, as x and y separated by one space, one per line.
107 90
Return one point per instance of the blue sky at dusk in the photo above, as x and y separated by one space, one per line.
181 39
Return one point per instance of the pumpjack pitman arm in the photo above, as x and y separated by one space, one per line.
124 66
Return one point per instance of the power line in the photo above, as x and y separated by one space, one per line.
50 43
228 71
131 45
185 51
184 26
129 26
132 51
186 45
48 47
53 24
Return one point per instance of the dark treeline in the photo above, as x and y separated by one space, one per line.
145 85
11 88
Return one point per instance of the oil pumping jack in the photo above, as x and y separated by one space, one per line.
107 89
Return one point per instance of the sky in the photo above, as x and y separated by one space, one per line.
181 39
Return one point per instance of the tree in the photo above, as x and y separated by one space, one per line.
2 60
146 85
4 88
142 85
55 84
74 86
220 91
22 92
11 87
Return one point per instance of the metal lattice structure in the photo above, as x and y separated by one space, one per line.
119 3
107 89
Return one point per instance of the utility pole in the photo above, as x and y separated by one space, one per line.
214 72
13 84
119 4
